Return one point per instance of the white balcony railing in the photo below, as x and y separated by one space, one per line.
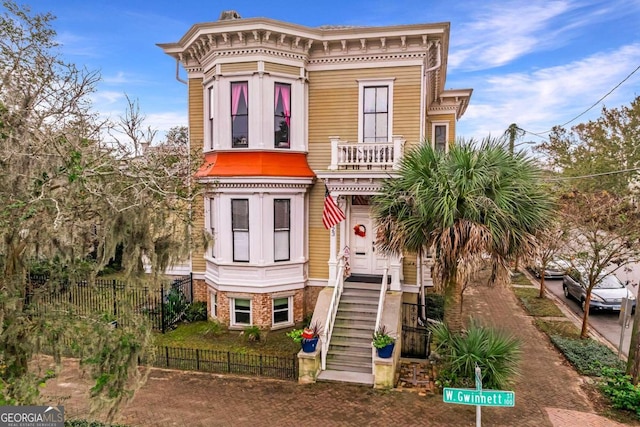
366 155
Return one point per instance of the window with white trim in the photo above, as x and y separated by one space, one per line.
212 227
240 114
240 229
210 114
241 311
281 229
214 304
440 137
375 119
282 115
282 311
375 106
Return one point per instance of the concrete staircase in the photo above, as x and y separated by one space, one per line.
349 358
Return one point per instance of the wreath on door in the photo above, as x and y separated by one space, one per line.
360 230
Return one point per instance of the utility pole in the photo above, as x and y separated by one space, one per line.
513 131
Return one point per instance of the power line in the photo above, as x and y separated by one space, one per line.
592 175
539 134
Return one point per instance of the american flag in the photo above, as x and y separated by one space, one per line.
331 213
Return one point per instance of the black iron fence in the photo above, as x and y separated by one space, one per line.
226 362
164 305
416 338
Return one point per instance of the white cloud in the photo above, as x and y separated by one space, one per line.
498 33
163 121
543 98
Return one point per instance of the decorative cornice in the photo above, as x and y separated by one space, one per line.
261 51
367 58
342 185
219 185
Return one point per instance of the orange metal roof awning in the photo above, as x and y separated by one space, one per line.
255 163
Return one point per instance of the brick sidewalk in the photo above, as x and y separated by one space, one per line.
548 393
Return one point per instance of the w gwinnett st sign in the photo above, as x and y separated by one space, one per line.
464 396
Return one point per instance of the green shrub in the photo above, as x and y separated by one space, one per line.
196 311
252 333
496 353
435 306
619 388
588 356
176 304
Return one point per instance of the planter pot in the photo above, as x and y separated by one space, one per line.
386 352
309 344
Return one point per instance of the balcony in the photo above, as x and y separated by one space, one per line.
366 155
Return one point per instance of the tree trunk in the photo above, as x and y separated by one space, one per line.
453 304
543 286
633 361
585 316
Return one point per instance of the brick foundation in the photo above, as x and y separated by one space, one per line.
261 306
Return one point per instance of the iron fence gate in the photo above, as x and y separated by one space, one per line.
416 339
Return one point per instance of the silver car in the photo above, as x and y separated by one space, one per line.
607 294
555 269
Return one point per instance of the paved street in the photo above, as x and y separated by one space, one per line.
548 391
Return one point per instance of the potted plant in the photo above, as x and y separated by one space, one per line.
307 337
383 342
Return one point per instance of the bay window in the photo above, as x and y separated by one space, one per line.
281 229
282 115
239 114
210 99
240 229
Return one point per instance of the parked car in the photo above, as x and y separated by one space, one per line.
607 294
554 269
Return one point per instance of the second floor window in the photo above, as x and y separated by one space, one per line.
376 114
210 96
282 113
240 114
240 229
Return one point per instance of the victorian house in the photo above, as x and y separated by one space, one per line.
285 116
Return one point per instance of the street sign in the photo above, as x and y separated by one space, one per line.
465 396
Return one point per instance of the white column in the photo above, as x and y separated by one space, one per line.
333 258
395 268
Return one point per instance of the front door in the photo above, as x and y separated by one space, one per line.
363 253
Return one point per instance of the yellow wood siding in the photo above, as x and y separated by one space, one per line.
196 138
333 107
318 235
271 67
409 268
239 67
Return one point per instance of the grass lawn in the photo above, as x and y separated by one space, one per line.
212 336
557 327
535 306
519 278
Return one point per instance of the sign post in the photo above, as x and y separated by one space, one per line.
478 397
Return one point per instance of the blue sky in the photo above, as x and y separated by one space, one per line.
534 63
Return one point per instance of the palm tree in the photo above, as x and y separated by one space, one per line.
462 204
